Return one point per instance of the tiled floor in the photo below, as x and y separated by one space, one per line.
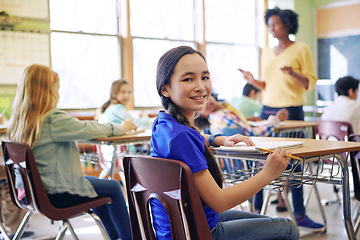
86 228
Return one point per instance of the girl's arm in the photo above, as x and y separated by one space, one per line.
63 127
223 199
251 80
228 141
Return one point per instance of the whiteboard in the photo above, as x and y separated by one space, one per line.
19 50
26 8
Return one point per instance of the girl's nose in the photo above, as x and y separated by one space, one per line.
199 86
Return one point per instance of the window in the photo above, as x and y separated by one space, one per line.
231 44
87 45
85 50
157 26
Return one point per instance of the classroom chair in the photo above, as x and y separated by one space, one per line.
334 131
20 163
355 168
171 182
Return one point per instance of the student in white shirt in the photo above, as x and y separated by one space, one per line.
345 108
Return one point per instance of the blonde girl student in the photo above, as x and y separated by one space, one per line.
183 83
51 133
114 110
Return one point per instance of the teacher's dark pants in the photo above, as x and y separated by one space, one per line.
295 113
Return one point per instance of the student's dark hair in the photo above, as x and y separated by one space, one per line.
201 122
343 85
115 88
248 88
165 70
287 16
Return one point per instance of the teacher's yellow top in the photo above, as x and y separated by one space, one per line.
281 89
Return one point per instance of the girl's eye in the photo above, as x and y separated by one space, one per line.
187 80
206 78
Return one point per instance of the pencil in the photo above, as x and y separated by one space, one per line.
286 155
118 117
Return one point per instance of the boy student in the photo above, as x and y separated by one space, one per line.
345 108
248 103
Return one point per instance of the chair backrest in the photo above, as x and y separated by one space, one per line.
20 163
326 130
171 182
355 166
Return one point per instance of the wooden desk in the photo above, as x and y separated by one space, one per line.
143 137
3 128
125 139
295 126
316 150
82 115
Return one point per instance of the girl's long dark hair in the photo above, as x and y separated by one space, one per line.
165 70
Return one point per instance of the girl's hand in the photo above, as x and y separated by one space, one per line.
232 140
128 125
247 76
276 163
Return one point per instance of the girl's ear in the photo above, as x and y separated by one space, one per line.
164 91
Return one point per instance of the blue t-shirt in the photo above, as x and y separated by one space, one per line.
173 140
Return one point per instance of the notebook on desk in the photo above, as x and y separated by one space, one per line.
270 145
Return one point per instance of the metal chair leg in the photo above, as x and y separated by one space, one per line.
62 231
3 232
100 225
21 229
356 218
72 230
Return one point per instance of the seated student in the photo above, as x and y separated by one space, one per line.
183 83
345 108
114 110
248 103
223 118
52 134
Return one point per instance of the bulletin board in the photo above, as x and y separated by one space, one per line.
24 8
19 50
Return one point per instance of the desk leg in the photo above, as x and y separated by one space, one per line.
113 163
346 197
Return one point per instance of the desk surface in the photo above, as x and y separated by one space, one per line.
291 124
128 138
3 128
314 147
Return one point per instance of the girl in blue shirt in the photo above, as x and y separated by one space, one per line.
183 83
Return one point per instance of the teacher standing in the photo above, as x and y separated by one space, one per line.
287 70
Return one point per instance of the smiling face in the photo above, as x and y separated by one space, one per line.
190 86
124 94
276 27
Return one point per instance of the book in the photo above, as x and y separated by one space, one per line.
270 145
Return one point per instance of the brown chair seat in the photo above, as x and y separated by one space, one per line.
18 157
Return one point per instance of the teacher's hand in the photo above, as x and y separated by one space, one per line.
247 76
287 70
